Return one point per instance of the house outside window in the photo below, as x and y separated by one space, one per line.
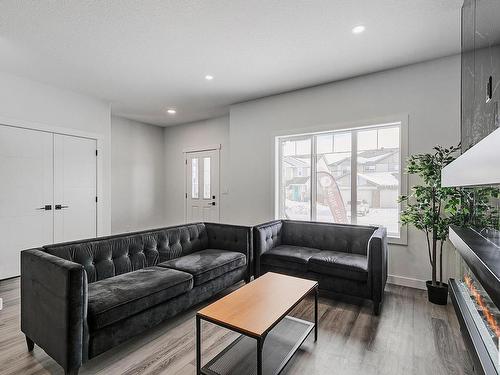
320 175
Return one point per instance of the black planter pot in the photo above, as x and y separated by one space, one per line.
438 294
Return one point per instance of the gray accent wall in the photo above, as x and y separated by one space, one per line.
195 135
137 176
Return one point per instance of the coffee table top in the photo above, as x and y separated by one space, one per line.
259 305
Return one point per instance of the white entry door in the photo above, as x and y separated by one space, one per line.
202 186
26 194
75 188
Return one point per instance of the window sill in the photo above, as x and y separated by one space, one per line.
400 241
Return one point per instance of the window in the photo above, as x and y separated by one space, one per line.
194 178
346 176
206 178
296 175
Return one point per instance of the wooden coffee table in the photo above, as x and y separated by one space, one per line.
259 312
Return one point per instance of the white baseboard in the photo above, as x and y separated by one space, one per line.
406 281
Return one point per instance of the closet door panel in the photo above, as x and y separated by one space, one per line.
75 181
26 187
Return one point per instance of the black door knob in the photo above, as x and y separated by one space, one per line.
47 207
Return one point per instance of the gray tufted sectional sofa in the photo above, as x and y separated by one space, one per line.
82 298
344 259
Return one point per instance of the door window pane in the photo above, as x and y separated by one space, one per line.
194 178
206 178
378 179
333 176
295 191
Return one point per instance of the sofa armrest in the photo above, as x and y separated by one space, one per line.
266 236
232 238
377 263
54 306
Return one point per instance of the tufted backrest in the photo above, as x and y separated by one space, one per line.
229 237
326 236
268 235
110 256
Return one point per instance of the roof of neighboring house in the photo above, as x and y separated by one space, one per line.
380 179
364 157
374 159
297 181
371 153
336 158
295 162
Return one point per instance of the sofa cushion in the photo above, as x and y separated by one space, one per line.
116 298
338 264
207 264
288 256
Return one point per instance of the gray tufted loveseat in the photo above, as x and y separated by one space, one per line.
82 298
344 259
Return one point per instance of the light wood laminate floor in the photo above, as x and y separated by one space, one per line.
411 336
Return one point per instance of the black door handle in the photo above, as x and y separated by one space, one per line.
213 203
47 207
59 207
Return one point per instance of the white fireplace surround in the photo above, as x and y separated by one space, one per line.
480 165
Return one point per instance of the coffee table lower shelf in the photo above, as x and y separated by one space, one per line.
240 357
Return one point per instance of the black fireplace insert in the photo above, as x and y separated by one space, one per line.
476 295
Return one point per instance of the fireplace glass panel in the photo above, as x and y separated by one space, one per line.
485 212
485 313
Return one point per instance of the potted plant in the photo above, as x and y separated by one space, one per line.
431 208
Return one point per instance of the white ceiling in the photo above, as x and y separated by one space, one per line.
144 56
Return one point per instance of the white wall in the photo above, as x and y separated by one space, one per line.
428 92
31 104
193 135
137 176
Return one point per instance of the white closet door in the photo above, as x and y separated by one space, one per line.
75 178
26 187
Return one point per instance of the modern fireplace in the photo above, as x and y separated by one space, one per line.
475 291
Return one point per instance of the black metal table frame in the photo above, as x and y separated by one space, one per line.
259 338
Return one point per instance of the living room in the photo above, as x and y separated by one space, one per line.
249 187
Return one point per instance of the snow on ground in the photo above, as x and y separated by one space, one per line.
387 217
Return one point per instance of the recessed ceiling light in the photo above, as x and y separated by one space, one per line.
171 111
358 29
209 77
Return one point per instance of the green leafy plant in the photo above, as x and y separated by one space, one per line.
430 207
